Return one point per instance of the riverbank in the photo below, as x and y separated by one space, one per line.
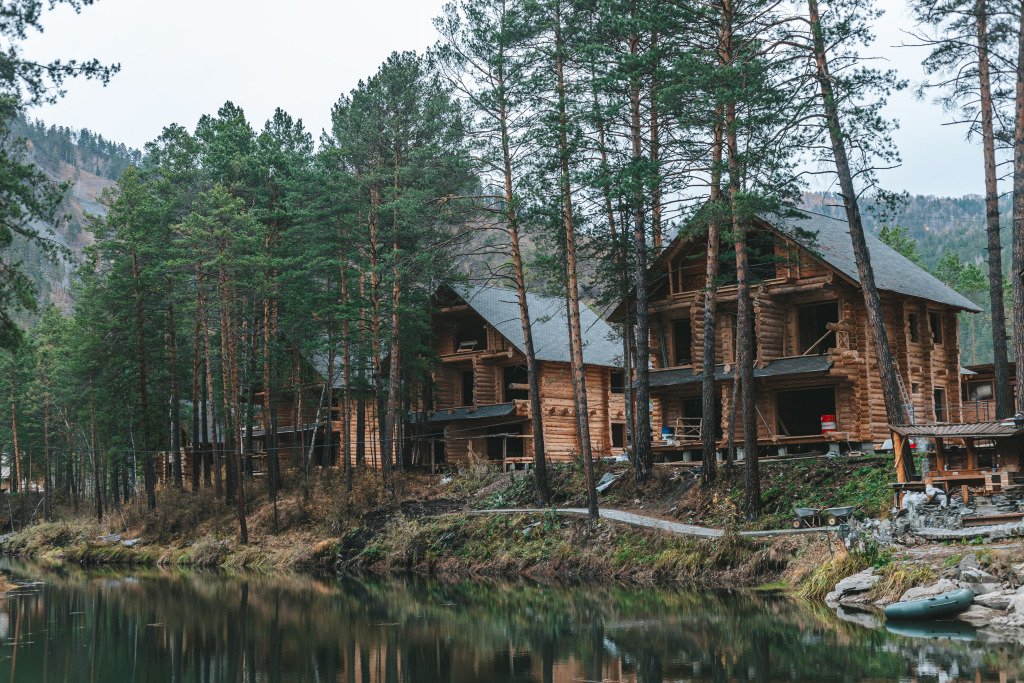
425 529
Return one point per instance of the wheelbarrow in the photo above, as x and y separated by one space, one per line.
836 516
806 518
814 517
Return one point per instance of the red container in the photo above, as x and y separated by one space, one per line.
828 424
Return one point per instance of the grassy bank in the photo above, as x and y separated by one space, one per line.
322 520
549 545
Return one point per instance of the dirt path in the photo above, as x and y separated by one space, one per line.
655 523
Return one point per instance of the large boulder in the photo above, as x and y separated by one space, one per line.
999 599
861 582
937 588
1015 612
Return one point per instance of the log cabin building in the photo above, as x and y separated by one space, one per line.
481 409
478 407
816 379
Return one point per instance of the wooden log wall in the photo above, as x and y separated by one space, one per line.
769 327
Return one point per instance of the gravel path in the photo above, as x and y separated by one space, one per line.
655 523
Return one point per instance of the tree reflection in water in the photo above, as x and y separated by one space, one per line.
150 625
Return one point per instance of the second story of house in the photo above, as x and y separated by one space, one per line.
806 299
478 337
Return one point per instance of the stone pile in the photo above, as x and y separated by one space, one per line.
932 516
1010 501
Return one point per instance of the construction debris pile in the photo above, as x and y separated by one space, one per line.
1009 501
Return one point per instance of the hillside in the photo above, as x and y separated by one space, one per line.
89 164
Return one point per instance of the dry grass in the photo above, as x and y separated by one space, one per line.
898 578
823 580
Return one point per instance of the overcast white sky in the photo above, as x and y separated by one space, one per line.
185 58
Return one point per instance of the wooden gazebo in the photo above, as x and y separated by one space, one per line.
985 456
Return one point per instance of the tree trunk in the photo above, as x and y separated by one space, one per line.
579 382
147 456
643 455
394 384
269 428
17 458
46 449
656 231
709 469
172 339
1017 274
532 369
894 410
95 454
1004 400
198 430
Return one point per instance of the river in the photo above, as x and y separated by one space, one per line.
72 625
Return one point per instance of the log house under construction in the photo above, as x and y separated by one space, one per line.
478 407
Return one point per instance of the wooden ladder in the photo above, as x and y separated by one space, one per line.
908 406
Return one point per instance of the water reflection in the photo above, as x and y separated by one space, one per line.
176 626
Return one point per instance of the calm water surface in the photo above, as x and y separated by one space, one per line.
72 626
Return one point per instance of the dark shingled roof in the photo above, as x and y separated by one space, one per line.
483 412
500 308
893 271
802 365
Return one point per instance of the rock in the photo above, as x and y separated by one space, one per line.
866 619
981 588
975 575
861 582
976 615
832 599
968 562
999 600
131 543
855 600
112 538
920 592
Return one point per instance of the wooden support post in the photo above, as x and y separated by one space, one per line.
940 455
900 448
972 454
504 454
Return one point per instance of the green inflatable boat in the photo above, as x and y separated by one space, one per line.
942 605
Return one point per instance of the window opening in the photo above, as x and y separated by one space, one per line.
812 327
504 441
914 323
516 383
467 388
618 435
799 412
470 335
935 323
940 404
618 382
682 342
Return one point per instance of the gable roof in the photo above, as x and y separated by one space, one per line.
549 322
893 271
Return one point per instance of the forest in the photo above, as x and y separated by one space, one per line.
549 144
